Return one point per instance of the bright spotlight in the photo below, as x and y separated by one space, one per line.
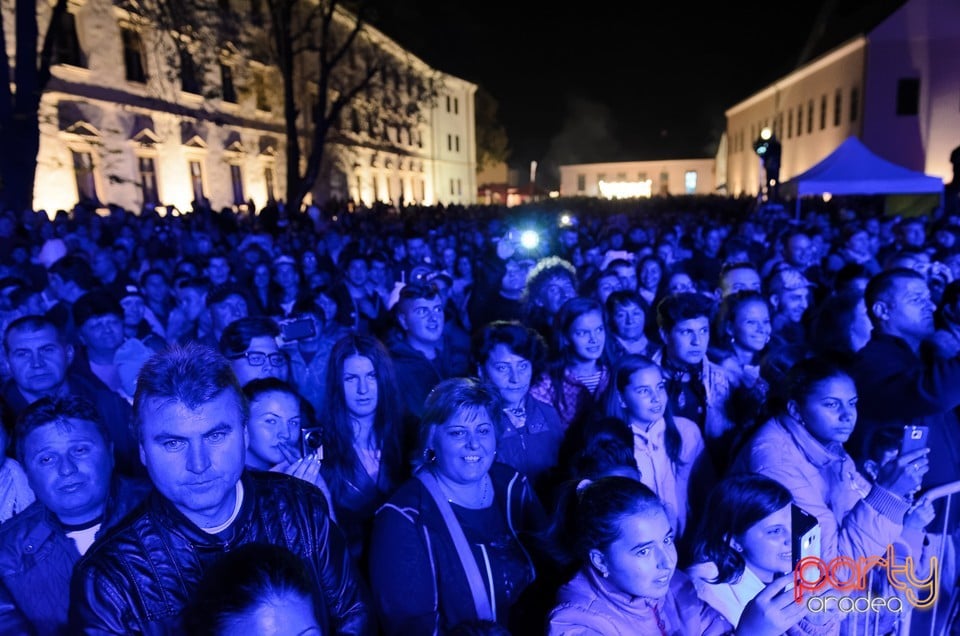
529 239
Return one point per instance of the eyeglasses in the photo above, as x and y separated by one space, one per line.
258 358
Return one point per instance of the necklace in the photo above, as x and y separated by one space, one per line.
517 416
454 498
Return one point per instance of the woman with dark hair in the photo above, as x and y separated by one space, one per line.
743 542
279 418
619 534
254 589
446 547
650 272
509 355
743 331
627 316
666 449
364 459
802 448
578 373
840 326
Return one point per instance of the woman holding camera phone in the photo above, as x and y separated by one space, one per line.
362 434
743 544
276 427
802 448
619 534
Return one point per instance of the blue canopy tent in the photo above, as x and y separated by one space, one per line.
852 169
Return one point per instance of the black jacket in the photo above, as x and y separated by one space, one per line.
139 577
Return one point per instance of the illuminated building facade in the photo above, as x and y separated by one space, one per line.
894 86
119 126
631 179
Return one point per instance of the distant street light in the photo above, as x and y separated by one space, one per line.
767 148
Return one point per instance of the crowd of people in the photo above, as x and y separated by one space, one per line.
576 417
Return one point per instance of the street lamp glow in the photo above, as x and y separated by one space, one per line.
766 133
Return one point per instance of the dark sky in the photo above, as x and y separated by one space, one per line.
585 82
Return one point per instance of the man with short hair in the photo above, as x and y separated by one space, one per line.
191 427
901 379
68 279
738 276
789 293
697 389
218 269
99 320
422 356
65 449
39 358
226 304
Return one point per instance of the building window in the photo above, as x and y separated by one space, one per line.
789 123
601 177
690 181
823 111
664 182
189 75
810 117
133 59
260 90
908 96
799 120
449 142
148 180
452 187
621 176
66 45
236 181
838 107
196 181
459 187
581 182
83 170
854 103
457 142
268 177
642 177
448 103
227 90
456 105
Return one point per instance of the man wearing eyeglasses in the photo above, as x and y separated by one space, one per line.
250 344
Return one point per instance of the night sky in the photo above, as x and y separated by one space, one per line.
584 82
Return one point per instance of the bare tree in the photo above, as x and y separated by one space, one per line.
320 46
21 89
328 62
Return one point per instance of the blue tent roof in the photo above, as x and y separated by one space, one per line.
853 169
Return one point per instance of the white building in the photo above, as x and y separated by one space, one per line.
638 178
895 86
118 127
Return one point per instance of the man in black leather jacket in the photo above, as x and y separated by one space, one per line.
190 422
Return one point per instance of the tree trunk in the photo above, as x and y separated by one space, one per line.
18 163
